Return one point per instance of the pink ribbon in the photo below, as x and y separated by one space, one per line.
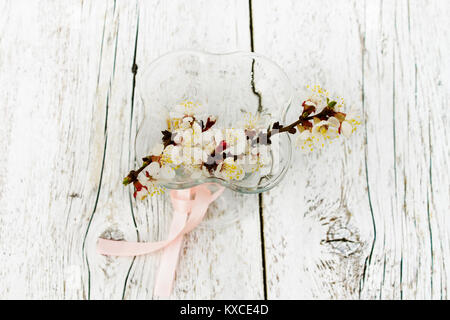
187 215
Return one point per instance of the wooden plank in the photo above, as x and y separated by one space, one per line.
433 90
220 262
75 107
111 216
405 96
365 218
317 222
52 130
383 184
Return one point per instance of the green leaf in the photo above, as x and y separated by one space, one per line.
331 104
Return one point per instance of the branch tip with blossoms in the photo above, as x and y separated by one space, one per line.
192 145
304 120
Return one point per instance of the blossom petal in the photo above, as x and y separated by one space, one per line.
167 173
334 122
157 149
305 135
346 129
153 169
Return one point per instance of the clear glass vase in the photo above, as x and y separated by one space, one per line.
228 86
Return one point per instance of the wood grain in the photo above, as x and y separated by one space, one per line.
405 103
112 216
388 236
52 142
365 218
208 254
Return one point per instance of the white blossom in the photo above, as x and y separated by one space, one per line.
167 172
153 170
142 193
197 155
252 121
346 129
350 123
236 140
334 122
157 149
230 170
304 135
151 188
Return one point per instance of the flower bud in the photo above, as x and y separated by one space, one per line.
126 181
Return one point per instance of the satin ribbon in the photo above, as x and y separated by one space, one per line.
188 213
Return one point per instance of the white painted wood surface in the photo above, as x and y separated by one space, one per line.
366 218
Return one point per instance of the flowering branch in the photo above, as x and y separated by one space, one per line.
305 117
193 146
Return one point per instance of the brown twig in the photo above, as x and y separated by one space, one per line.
324 114
304 119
